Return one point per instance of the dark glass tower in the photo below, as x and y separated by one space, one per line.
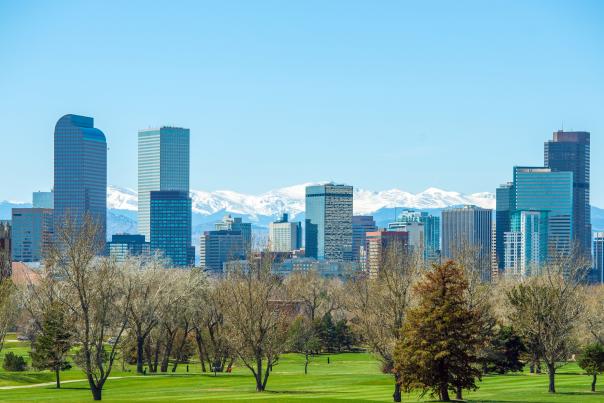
171 226
80 172
569 151
504 201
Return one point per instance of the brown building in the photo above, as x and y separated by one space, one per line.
378 242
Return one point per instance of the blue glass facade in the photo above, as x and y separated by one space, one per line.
124 245
32 230
163 164
171 226
504 199
80 172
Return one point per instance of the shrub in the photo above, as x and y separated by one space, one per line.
13 362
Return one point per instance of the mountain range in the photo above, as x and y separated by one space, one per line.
260 210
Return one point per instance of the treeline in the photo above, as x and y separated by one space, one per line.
435 329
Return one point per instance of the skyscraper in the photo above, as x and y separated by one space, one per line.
80 172
468 226
361 225
328 223
541 189
597 272
377 244
124 245
284 236
504 201
229 223
32 230
525 245
569 152
431 236
163 164
171 226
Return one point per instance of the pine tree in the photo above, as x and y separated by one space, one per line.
592 361
49 350
440 337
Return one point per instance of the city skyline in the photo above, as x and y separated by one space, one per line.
263 100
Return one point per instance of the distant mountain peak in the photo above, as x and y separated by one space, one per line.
290 199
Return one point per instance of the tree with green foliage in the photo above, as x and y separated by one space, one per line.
503 353
303 339
592 361
13 362
50 348
440 338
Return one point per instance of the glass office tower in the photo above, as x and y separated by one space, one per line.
569 151
163 164
43 200
328 223
504 202
541 189
596 274
526 243
171 226
361 225
32 233
80 172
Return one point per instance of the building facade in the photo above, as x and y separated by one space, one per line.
361 225
378 243
504 205
526 244
229 223
43 200
219 247
80 173
570 152
163 164
124 245
32 231
597 273
170 227
328 224
284 236
468 226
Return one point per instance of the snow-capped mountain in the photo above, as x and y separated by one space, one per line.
291 200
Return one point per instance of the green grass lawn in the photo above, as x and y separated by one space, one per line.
349 377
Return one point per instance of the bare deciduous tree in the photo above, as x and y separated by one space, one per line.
255 319
379 304
96 295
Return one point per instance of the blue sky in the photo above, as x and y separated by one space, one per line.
376 94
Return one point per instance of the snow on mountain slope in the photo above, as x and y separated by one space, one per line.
291 200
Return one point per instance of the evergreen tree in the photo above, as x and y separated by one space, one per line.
503 352
49 350
440 337
592 361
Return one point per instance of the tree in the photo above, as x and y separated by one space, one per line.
319 294
592 361
378 304
503 352
440 338
546 309
96 294
593 322
255 316
303 339
7 307
50 348
13 362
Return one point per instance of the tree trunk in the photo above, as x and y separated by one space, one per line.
593 383
551 371
458 393
200 349
140 343
259 386
96 391
58 378
444 393
306 364
166 359
397 396
532 367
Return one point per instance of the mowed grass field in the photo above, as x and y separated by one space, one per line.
347 378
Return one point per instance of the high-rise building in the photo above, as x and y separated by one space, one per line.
170 214
229 223
124 245
541 189
409 221
431 236
43 200
163 164
526 244
504 201
284 236
32 230
569 152
597 272
361 225
5 249
328 224
80 172
377 244
468 227
219 247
